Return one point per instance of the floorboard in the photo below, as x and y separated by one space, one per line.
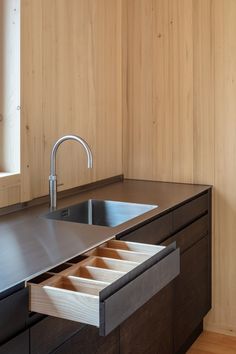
213 343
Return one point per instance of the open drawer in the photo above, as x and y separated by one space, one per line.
107 285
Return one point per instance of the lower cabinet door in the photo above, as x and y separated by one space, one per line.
17 345
88 341
104 289
13 314
49 333
149 330
192 292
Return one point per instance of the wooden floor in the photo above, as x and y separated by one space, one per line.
213 343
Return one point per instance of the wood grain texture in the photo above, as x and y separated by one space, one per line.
10 189
159 90
74 293
223 316
65 304
176 93
71 83
209 343
179 115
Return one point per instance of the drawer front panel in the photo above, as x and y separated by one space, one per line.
88 341
148 330
17 345
118 307
189 211
49 333
189 235
192 297
13 314
153 232
62 303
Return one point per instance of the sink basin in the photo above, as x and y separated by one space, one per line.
100 212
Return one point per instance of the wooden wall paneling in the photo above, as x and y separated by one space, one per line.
31 91
124 83
203 93
190 130
160 101
10 188
182 86
203 112
162 120
108 65
71 83
223 316
139 89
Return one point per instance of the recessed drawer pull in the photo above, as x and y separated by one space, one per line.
108 286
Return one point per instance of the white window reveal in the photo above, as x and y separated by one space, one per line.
9 87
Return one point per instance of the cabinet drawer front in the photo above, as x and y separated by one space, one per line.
192 304
17 345
50 332
91 290
13 314
190 211
153 232
190 234
123 303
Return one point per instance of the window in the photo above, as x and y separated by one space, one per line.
9 87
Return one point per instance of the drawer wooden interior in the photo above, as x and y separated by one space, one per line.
73 293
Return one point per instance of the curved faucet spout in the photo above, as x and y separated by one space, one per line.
53 177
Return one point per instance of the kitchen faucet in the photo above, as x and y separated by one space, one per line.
53 177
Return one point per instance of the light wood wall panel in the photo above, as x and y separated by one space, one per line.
10 189
159 95
70 83
181 123
223 318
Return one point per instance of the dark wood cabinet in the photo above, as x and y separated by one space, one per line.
166 324
153 232
148 330
49 333
191 300
190 211
190 228
17 345
88 341
13 314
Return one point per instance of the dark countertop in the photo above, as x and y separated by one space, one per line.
31 244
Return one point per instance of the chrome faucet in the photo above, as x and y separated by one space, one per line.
53 177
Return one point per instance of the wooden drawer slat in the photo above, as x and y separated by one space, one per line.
115 264
133 246
120 254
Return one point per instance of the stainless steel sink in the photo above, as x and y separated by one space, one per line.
100 212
